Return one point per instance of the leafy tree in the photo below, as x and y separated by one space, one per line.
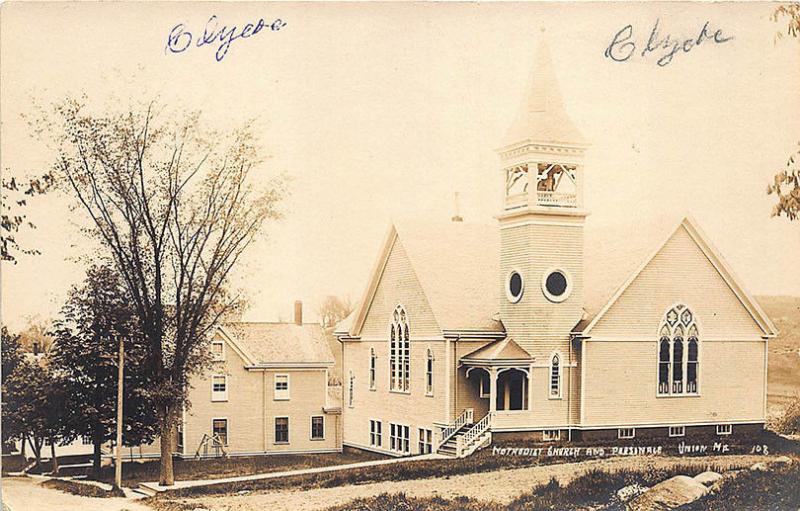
34 407
786 183
12 217
12 356
334 309
85 354
174 207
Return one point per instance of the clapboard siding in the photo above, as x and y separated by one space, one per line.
399 285
621 384
251 409
535 323
680 272
414 409
244 408
466 393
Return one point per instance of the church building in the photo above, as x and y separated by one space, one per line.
470 332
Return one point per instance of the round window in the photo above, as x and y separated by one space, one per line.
514 287
556 285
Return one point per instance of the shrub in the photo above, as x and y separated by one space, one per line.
789 422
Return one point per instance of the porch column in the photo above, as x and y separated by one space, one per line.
530 387
492 389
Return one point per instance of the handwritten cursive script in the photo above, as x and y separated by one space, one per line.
180 38
623 46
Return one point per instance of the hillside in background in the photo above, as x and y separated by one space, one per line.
784 351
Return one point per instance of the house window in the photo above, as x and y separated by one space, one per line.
86 440
514 287
281 430
555 377
375 439
626 433
678 353
399 352
429 373
399 438
218 350
219 387
724 429
425 441
372 363
351 389
675 431
219 431
556 285
179 436
281 387
317 427
551 435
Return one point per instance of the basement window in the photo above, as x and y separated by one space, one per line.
626 433
676 431
551 435
724 429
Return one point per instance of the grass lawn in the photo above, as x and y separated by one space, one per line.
82 489
482 461
134 473
13 463
773 489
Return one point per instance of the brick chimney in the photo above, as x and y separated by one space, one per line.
298 312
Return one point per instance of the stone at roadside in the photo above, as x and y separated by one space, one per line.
669 494
631 491
758 466
199 509
708 478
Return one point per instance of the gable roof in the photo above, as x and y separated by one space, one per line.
456 264
596 306
280 344
498 351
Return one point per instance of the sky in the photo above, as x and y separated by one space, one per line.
382 111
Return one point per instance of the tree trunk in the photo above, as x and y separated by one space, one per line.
54 469
36 447
167 476
96 455
24 439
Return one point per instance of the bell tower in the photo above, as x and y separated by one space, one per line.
542 217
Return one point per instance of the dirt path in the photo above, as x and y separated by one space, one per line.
26 494
500 486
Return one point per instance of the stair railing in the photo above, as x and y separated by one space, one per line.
463 419
469 437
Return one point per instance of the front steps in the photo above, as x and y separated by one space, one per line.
449 447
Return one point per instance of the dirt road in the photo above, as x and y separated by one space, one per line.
26 494
500 486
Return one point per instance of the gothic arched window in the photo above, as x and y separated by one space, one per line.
351 390
429 373
555 376
678 349
372 361
399 351
663 365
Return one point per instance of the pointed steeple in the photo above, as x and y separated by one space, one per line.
542 117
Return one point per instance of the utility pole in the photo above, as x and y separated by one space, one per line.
118 468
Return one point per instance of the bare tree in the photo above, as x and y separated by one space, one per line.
333 309
174 207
